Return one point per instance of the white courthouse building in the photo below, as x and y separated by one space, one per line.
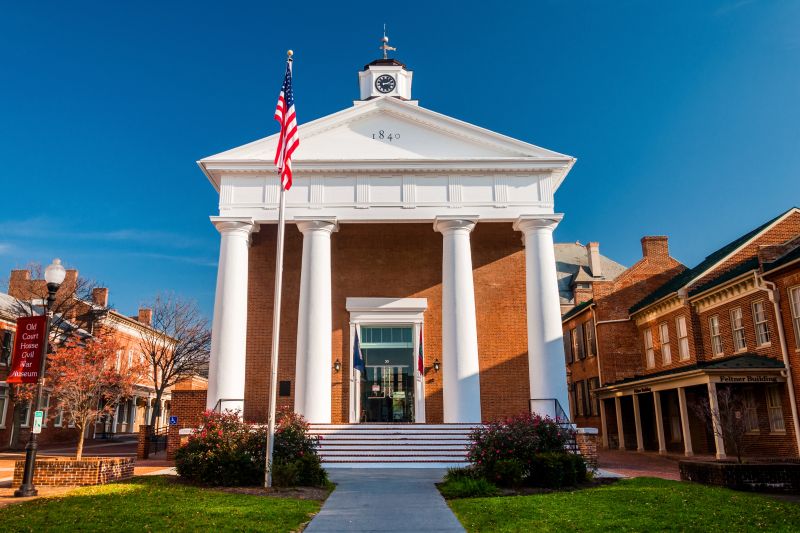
404 226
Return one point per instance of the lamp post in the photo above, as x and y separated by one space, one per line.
54 275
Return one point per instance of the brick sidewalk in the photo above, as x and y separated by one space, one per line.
640 464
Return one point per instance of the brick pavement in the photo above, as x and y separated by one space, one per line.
640 464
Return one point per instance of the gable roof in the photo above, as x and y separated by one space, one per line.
693 274
333 141
572 264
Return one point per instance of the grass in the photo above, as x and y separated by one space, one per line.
641 504
156 504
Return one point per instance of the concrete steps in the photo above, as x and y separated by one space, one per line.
393 445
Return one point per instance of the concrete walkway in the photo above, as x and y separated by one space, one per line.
398 499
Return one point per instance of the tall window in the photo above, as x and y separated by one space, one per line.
25 414
588 331
794 301
45 408
575 343
666 351
118 364
750 411
683 338
580 398
760 319
739 342
3 404
7 346
716 338
775 409
58 419
594 399
581 341
648 348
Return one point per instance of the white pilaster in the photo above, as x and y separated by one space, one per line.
603 424
620 430
546 368
461 380
637 419
312 397
226 369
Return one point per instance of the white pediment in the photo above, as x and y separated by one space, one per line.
417 134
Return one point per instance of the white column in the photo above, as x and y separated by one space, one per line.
685 428
713 405
226 368
546 368
637 420
312 396
620 430
461 380
603 424
662 444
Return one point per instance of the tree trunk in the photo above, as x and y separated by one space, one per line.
156 414
79 451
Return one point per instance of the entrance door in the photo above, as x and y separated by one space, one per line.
387 389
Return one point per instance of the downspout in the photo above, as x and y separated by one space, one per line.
775 298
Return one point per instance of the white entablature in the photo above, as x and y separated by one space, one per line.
390 160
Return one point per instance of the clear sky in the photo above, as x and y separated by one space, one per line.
683 115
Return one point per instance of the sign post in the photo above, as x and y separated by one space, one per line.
27 366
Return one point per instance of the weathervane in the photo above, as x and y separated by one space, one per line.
385 46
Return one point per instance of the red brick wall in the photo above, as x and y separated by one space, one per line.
69 472
410 268
188 406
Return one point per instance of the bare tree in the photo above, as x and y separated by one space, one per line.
729 421
176 346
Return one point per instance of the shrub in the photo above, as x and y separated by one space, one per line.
466 487
520 438
509 473
557 469
229 452
464 472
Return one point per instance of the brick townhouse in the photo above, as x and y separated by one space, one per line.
730 323
85 318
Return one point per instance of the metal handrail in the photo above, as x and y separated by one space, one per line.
557 412
218 406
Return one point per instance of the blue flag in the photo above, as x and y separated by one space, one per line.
358 361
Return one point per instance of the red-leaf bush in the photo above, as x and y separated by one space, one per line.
508 451
229 452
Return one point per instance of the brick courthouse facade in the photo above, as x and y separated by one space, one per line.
402 225
675 337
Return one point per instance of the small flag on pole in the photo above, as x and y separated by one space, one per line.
358 361
420 360
289 140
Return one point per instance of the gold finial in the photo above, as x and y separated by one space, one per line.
385 46
289 54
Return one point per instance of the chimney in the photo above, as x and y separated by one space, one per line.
145 316
100 296
593 251
655 246
19 284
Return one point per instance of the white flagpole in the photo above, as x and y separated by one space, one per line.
276 326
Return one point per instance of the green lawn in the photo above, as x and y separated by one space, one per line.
641 504
156 504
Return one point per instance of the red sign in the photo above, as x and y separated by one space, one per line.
28 348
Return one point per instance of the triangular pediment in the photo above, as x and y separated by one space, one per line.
390 129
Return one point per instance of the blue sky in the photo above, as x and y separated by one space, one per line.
684 116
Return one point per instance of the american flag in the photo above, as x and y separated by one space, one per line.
289 140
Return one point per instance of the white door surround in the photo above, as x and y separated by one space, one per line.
387 312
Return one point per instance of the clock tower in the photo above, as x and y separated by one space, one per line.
385 77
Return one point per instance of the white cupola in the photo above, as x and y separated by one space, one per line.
385 77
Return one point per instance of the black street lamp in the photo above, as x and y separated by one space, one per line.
54 275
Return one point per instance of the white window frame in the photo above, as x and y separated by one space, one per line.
58 420
650 355
683 338
750 411
761 325
716 337
737 330
666 350
118 364
45 408
775 410
4 408
130 358
794 304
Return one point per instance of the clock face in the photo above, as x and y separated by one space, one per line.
385 83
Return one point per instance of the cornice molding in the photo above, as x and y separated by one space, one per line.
725 294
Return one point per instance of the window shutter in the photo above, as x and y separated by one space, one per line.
581 342
568 346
